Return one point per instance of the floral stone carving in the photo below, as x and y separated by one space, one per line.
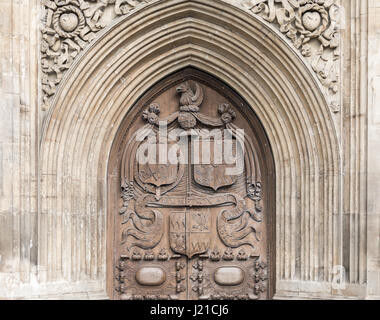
312 26
70 25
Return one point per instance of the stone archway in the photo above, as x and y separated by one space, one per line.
122 64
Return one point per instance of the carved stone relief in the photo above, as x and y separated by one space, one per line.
189 230
313 28
69 26
55 174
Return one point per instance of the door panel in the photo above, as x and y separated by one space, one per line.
196 181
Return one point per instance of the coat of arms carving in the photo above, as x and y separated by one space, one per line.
190 231
193 204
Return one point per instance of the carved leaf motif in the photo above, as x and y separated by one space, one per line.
70 25
306 22
147 227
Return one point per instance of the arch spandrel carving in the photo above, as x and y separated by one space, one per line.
112 74
70 26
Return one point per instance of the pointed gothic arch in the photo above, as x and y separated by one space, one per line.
123 63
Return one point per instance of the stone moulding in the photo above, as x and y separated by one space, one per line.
82 123
69 26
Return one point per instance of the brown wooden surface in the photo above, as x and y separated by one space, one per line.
209 266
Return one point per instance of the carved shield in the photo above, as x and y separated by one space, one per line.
158 174
217 173
213 176
190 231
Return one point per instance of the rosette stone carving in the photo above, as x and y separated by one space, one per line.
68 26
312 26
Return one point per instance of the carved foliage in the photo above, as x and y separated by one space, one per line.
312 26
68 26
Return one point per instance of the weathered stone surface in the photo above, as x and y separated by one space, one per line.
60 111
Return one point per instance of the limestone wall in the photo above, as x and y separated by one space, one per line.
373 173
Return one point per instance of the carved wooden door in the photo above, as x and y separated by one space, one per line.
193 221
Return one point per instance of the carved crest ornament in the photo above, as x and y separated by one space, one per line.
187 212
312 26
